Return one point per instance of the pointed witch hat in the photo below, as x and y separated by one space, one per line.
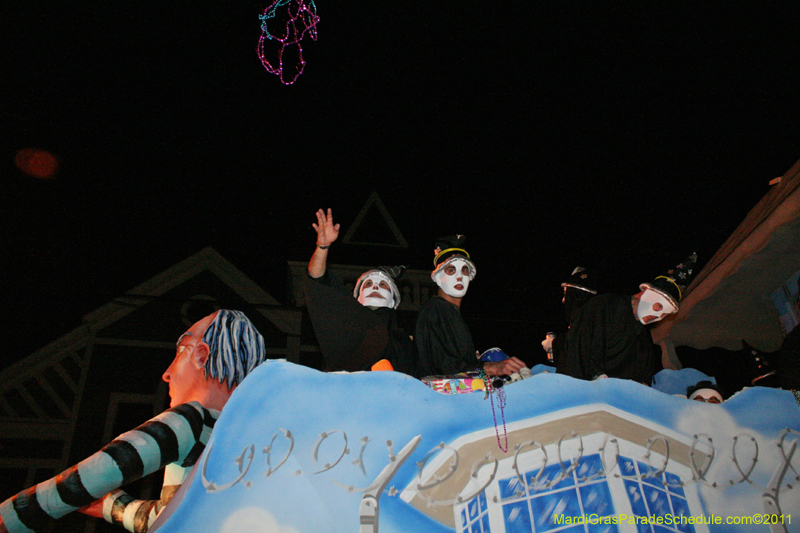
674 282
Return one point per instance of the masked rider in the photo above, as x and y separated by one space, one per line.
609 337
444 342
358 332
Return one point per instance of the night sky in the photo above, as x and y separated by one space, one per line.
620 136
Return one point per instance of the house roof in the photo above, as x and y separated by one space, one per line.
207 259
729 300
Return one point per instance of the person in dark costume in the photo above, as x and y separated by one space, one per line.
609 338
792 340
789 357
581 286
444 342
360 331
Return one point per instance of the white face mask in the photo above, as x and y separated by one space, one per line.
375 292
706 395
453 278
653 307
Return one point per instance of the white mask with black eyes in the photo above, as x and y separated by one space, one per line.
653 307
453 278
375 291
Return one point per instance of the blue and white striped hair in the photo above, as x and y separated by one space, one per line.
235 347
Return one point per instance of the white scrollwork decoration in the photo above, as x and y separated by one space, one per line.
360 461
518 450
210 486
699 473
658 471
567 471
352 488
322 438
782 445
602 450
753 460
268 451
474 474
438 480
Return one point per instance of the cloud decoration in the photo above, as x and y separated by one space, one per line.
297 450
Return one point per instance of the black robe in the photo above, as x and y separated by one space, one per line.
353 337
444 343
574 300
606 338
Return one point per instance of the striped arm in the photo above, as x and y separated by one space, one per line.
134 515
173 436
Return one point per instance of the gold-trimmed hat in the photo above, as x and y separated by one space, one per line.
674 282
449 249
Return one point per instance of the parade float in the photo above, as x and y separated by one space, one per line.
297 450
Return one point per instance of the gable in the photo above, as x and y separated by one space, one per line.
375 226
112 365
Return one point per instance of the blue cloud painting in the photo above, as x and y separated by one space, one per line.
297 450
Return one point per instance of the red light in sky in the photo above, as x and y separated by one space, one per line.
37 163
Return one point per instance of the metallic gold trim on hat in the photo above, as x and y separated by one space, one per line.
680 292
440 254
666 295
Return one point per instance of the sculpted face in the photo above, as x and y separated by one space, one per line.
653 307
453 279
375 291
185 376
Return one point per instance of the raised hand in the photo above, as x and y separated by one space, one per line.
503 368
327 231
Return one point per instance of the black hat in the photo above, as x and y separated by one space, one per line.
447 250
583 279
674 282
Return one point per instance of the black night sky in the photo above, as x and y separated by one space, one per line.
619 136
